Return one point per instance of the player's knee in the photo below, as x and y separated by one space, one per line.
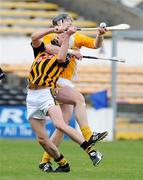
59 126
42 140
80 100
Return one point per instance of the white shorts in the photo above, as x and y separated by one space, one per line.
38 102
65 82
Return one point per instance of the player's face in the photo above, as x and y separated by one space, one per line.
66 22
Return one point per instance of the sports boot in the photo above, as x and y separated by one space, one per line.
96 157
46 167
65 168
97 137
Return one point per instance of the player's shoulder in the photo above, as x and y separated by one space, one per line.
48 38
79 35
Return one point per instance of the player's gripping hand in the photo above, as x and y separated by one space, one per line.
59 29
102 30
71 30
76 54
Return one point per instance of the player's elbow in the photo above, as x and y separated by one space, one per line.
33 37
97 46
61 59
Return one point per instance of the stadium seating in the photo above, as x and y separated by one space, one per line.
100 79
16 15
28 31
30 5
43 23
11 95
34 15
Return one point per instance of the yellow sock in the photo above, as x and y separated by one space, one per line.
86 132
45 158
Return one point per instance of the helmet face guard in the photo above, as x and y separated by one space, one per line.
59 18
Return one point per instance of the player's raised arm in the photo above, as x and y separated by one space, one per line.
62 54
52 49
99 37
36 36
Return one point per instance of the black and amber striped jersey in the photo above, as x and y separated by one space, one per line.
45 69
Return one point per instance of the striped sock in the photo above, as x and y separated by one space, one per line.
61 161
87 147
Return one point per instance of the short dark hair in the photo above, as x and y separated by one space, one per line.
58 18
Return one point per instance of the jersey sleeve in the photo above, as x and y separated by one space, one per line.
48 38
83 40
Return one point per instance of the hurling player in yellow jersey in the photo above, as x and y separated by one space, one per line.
43 75
67 94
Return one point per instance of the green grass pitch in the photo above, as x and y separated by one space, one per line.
123 160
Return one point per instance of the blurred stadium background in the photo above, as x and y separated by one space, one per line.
113 91
119 87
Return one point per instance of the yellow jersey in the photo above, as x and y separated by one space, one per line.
76 41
